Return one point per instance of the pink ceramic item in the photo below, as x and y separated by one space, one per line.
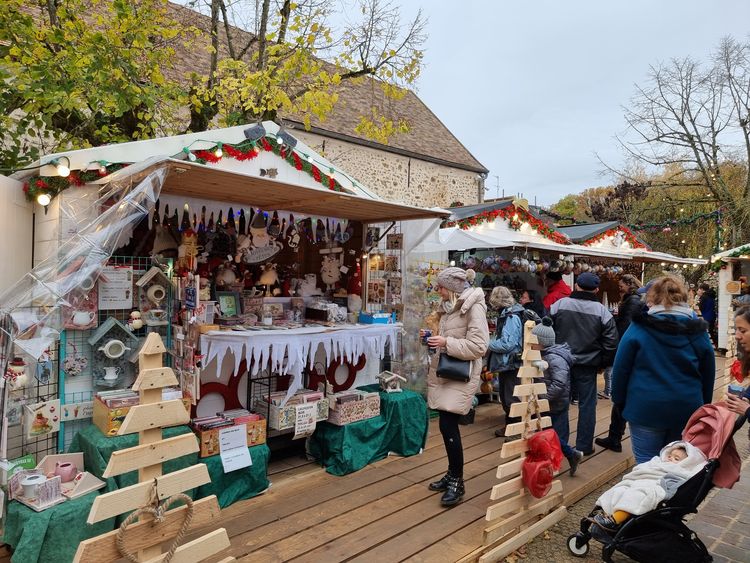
66 470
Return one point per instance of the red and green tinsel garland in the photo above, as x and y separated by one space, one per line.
246 150
53 185
515 216
628 234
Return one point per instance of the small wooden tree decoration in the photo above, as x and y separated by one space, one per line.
516 519
146 536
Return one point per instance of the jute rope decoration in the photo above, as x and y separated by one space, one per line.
533 402
157 509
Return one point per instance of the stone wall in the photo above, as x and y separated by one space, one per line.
395 177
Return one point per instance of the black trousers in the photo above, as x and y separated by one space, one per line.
452 440
507 382
616 425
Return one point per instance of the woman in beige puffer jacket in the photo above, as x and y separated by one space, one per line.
464 335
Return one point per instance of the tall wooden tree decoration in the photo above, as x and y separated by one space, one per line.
519 517
154 493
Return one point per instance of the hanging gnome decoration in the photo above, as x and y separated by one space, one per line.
259 232
264 246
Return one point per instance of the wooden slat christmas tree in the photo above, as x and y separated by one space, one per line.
519 516
143 539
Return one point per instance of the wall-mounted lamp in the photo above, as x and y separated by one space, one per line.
44 200
63 170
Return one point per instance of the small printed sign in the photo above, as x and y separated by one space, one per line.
233 448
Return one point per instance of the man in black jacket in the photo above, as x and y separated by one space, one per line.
589 329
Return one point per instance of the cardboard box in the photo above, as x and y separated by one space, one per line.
377 318
209 439
282 418
109 420
354 411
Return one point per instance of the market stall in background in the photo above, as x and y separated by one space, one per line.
273 278
733 267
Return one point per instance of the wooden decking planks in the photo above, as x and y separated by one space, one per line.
385 510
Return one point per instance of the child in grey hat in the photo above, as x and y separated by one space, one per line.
558 359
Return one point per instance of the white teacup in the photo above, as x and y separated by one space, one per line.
83 318
114 349
156 293
111 373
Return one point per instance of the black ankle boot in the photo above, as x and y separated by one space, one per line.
442 484
454 493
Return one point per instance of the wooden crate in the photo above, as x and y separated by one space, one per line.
109 420
209 439
282 418
353 411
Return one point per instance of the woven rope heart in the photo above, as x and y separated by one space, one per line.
158 512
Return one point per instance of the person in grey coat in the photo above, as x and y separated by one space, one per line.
557 359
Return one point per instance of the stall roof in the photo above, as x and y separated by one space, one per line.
581 233
727 254
465 211
195 180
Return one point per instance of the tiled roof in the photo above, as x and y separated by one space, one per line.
428 138
581 233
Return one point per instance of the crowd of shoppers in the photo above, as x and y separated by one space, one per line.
656 355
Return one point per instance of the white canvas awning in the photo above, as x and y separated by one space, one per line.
726 255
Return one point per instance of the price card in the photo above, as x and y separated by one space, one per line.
305 419
233 448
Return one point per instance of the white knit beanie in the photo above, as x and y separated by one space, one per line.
455 279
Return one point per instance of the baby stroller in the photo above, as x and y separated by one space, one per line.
661 534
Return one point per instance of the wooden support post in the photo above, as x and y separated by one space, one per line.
515 520
148 419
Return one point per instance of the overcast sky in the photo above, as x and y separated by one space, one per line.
534 88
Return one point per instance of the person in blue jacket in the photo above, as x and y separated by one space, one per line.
664 369
505 348
707 306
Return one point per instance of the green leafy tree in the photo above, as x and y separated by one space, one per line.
296 64
79 73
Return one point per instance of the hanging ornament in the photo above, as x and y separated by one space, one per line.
292 235
274 227
230 221
241 222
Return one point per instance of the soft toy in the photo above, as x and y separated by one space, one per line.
270 278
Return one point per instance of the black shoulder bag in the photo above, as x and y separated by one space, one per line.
452 368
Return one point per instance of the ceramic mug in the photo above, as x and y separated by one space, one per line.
156 293
66 471
83 318
31 484
114 349
111 373
87 283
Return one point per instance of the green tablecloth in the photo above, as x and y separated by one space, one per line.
97 449
240 484
53 535
401 428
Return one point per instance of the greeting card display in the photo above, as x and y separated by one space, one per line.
42 418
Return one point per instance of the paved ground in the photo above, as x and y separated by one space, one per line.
722 523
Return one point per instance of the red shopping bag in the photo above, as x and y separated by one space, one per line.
543 458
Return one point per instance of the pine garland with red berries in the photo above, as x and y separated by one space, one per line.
629 237
515 216
246 150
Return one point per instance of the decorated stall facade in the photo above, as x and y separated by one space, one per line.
248 253
733 269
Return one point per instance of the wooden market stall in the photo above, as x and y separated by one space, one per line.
258 262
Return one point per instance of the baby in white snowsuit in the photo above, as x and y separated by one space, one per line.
648 484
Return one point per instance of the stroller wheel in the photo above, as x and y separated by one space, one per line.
577 545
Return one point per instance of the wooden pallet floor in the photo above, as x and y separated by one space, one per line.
385 511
